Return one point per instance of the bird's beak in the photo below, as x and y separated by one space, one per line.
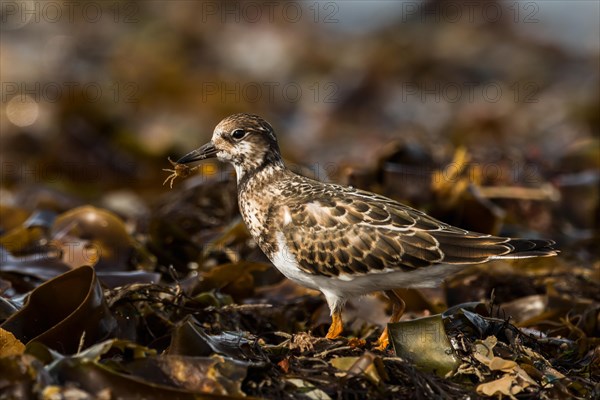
201 153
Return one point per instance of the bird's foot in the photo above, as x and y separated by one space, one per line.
382 343
336 328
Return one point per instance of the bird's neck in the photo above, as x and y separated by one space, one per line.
267 170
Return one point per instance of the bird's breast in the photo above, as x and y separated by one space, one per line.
257 207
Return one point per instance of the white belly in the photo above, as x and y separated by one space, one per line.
346 286
286 263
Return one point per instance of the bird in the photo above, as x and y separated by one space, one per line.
343 241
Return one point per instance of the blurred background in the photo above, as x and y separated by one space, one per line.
483 114
97 94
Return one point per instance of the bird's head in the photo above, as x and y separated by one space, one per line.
245 140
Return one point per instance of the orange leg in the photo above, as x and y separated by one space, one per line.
398 307
337 326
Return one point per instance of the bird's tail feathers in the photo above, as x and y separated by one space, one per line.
528 248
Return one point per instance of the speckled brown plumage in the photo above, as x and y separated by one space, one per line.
339 230
340 240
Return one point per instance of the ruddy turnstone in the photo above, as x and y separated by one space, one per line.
343 241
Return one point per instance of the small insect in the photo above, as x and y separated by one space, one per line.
181 170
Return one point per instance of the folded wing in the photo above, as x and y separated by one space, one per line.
345 231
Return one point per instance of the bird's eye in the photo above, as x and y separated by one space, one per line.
238 134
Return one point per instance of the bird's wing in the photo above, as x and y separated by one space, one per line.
336 230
